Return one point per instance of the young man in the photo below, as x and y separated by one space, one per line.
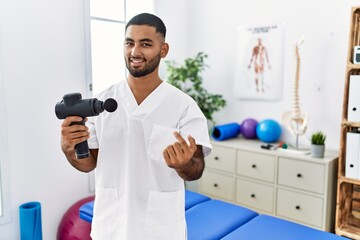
142 152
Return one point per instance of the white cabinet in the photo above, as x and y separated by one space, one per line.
218 185
300 207
288 185
255 195
303 175
255 165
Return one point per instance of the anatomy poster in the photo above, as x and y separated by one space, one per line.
259 62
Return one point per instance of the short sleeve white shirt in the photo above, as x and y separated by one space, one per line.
138 196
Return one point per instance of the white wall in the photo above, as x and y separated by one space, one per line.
211 27
176 17
43 58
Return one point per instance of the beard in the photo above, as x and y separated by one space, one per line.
150 67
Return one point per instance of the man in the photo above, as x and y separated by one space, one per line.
142 152
259 54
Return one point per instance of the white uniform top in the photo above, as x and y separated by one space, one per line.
138 197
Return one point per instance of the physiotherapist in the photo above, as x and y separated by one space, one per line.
142 153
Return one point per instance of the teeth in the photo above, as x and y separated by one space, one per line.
136 60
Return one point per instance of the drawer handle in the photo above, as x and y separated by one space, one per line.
216 158
299 175
252 195
216 185
297 207
253 166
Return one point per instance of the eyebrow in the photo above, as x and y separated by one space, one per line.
141 40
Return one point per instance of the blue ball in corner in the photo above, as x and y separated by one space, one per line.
268 130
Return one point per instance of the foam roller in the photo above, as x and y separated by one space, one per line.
226 131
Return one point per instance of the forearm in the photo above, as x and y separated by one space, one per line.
194 168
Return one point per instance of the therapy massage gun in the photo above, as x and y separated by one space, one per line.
73 105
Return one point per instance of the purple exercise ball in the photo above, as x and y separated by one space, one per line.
248 128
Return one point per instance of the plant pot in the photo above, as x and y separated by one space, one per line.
317 151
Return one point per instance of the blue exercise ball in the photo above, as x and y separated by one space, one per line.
268 130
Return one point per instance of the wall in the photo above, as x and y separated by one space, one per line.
177 17
43 58
211 27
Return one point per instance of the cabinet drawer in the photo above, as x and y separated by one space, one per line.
300 207
255 195
218 185
222 158
255 165
302 175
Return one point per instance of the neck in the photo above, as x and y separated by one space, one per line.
142 87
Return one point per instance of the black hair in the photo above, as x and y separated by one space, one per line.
149 20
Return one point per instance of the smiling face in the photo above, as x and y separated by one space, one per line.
143 50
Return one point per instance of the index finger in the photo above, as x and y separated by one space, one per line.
70 119
179 138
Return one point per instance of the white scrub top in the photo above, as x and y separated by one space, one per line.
138 197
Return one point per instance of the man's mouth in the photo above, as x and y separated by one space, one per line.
136 62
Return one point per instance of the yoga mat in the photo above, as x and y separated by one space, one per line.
226 131
30 221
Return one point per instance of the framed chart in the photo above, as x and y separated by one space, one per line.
259 62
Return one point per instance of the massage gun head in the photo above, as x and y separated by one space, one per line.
73 105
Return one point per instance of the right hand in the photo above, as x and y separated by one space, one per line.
72 134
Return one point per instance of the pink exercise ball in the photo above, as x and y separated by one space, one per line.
248 128
72 227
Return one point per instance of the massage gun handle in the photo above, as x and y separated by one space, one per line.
81 149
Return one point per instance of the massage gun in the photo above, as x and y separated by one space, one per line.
73 105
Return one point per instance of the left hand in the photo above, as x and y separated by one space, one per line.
179 154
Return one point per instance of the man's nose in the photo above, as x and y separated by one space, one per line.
135 51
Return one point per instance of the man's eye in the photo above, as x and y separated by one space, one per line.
146 44
128 43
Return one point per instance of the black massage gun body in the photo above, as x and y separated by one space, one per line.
73 105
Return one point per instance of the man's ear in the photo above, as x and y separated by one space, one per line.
164 50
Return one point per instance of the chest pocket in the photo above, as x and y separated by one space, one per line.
161 137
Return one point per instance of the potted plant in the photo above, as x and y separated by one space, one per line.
187 78
318 144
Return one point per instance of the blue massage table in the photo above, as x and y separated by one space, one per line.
210 219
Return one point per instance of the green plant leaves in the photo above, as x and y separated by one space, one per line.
318 138
187 78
